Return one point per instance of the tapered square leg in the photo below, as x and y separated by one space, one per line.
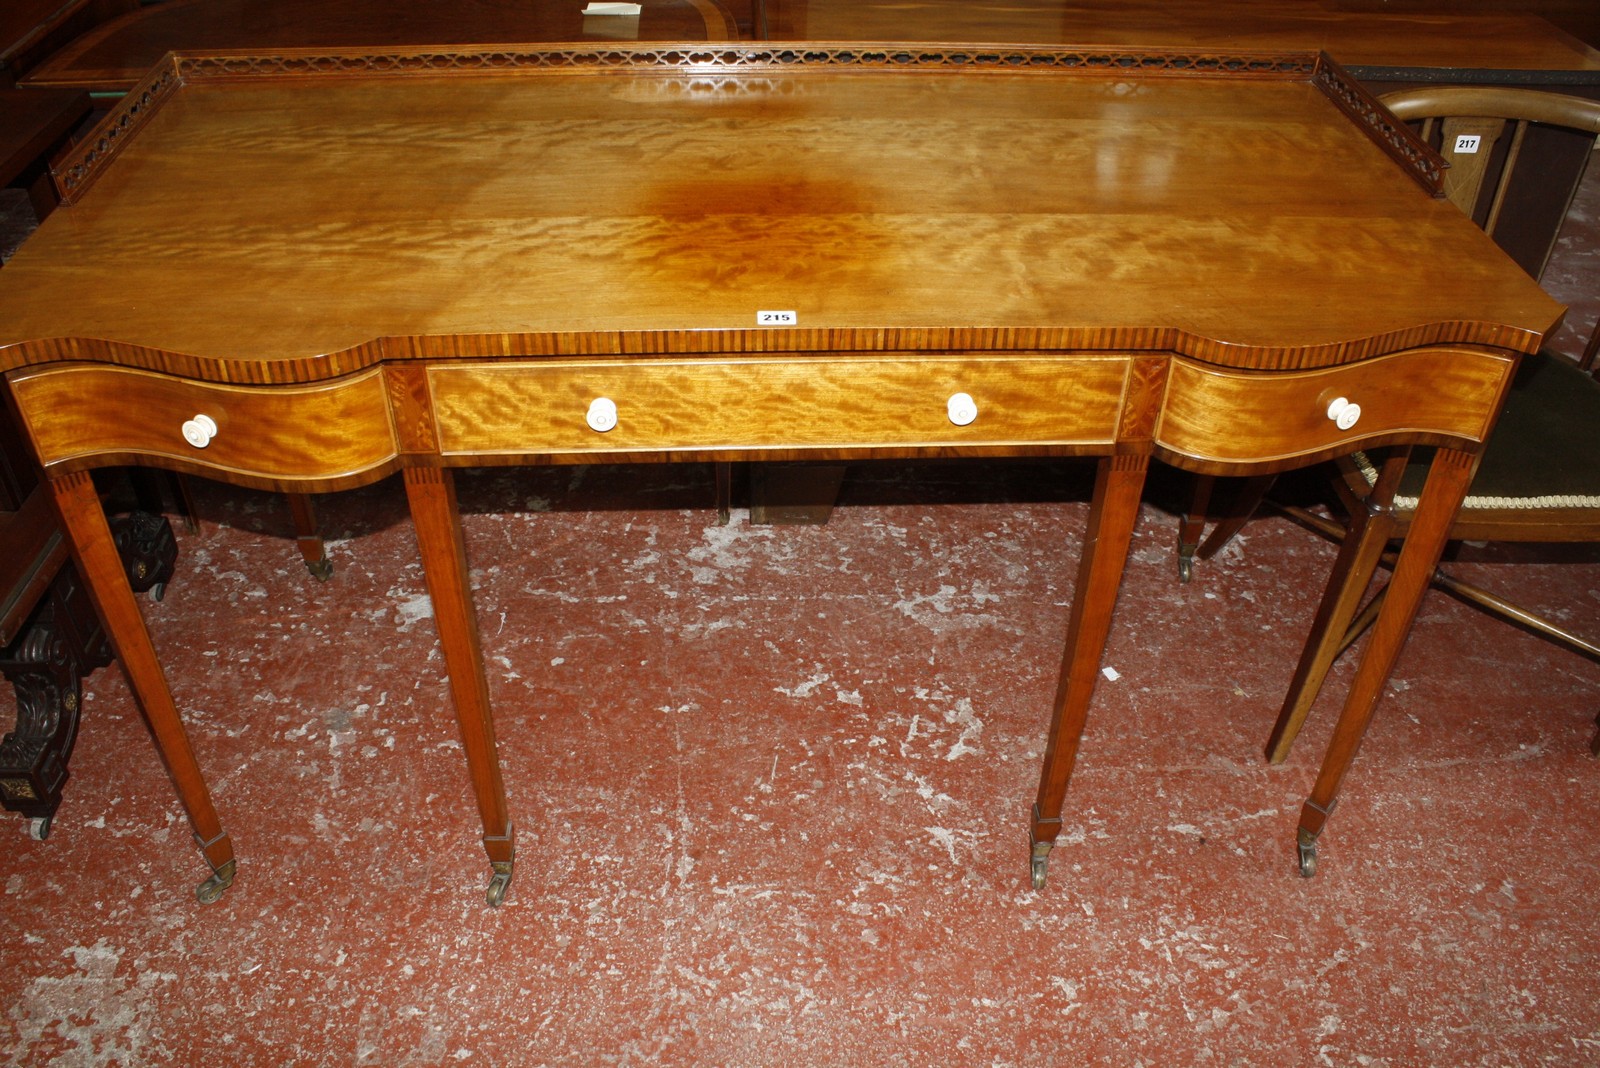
1448 480
1118 484
94 550
432 495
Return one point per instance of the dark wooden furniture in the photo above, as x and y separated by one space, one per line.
34 125
1580 18
49 634
900 252
33 29
50 638
114 57
1374 35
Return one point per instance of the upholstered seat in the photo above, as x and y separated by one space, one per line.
1543 458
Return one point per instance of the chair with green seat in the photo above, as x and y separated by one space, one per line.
1539 479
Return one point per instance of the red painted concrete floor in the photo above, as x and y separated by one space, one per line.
772 786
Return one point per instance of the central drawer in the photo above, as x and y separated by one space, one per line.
780 403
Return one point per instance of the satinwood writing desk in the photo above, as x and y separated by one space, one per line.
306 271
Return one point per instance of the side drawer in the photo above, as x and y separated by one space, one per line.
323 430
1215 414
818 402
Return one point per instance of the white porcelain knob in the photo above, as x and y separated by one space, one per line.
199 431
602 414
961 408
1344 412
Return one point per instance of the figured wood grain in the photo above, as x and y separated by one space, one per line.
1033 225
521 407
311 435
1434 396
411 409
1241 218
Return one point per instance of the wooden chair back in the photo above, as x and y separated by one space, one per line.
1469 125
1480 130
1549 425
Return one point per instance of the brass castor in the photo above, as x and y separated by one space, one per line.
1040 864
499 883
222 878
1306 849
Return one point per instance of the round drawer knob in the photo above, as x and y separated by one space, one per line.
602 414
199 431
961 408
1344 412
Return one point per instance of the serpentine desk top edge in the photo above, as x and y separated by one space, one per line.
1005 199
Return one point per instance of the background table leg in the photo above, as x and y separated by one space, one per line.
89 536
1117 486
308 537
432 495
1442 495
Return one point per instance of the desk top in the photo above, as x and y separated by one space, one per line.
299 216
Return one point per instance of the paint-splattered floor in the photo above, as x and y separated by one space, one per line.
772 786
